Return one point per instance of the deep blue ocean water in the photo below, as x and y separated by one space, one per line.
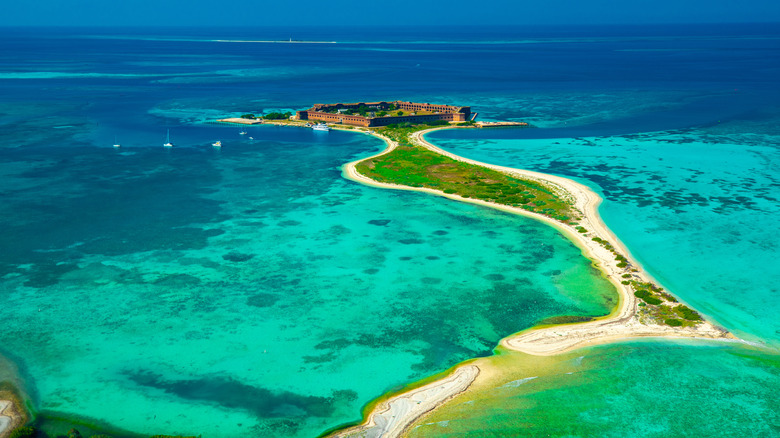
253 290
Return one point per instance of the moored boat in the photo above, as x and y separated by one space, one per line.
168 143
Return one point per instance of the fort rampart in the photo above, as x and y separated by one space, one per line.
333 113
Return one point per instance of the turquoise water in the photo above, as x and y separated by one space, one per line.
253 289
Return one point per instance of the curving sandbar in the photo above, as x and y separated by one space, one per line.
392 417
624 322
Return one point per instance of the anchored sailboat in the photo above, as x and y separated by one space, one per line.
168 140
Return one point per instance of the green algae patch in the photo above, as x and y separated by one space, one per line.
416 166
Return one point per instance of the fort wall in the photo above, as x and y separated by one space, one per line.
319 113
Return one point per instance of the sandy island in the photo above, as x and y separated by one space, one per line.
391 418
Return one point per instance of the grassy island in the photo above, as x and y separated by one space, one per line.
415 166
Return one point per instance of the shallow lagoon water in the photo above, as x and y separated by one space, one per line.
236 291
252 288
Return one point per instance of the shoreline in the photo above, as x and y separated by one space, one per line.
623 323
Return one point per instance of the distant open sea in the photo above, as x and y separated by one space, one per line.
253 291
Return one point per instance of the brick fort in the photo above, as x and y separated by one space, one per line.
374 114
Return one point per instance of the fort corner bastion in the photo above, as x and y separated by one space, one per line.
374 114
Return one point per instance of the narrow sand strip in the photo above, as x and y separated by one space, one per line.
392 417
619 325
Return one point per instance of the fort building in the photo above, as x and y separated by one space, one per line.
375 114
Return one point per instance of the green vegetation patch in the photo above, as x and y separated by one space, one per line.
647 297
277 116
687 313
415 166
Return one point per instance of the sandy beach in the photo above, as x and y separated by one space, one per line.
623 323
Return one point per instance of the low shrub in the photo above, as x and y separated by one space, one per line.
688 313
277 116
673 322
647 297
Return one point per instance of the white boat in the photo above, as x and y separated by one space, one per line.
320 127
217 144
116 145
168 143
242 132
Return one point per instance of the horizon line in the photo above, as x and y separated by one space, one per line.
329 26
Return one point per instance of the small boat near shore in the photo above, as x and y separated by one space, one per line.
321 127
217 144
242 132
116 144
